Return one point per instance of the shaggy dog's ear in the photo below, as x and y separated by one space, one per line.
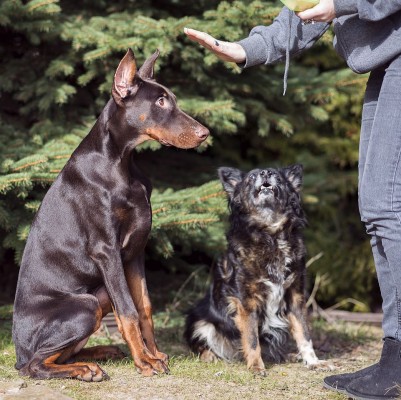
230 178
294 175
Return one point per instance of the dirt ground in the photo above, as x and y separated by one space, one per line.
348 346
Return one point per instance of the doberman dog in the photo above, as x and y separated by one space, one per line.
85 252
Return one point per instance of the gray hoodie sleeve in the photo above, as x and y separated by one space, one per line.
369 10
269 44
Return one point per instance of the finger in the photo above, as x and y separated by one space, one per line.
223 50
319 13
202 38
202 42
194 34
311 13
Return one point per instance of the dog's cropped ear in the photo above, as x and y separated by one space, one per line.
124 78
148 68
230 178
294 175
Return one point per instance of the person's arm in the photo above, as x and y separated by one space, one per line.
268 44
265 44
226 51
369 10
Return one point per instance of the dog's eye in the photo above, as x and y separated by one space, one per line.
252 177
161 101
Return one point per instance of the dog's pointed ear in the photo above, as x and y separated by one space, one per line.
123 84
294 175
148 68
230 178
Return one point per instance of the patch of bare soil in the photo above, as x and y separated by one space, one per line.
348 346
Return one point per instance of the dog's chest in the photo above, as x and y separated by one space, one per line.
272 260
266 273
272 307
136 219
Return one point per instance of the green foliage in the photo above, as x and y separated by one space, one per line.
55 78
191 217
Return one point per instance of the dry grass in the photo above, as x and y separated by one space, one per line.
349 346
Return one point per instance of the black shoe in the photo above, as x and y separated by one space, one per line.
339 382
384 381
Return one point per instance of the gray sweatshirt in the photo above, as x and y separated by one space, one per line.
367 35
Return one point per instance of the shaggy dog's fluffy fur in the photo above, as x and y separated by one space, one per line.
257 293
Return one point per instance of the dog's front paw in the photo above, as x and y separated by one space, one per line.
162 356
259 371
149 366
154 369
257 367
322 365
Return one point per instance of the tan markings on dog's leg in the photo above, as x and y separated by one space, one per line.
139 293
305 346
49 369
140 296
118 321
247 324
71 351
147 363
98 316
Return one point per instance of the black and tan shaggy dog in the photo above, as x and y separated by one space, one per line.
257 293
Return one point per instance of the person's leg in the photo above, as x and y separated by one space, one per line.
380 205
380 196
372 93
340 381
367 151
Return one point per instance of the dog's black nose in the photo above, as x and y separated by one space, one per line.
266 173
202 133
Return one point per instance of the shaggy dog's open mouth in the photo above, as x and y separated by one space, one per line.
265 188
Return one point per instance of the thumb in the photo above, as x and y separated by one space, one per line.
310 13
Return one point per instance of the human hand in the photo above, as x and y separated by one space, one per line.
226 51
322 12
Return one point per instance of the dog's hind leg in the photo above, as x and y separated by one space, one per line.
73 320
48 368
99 353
